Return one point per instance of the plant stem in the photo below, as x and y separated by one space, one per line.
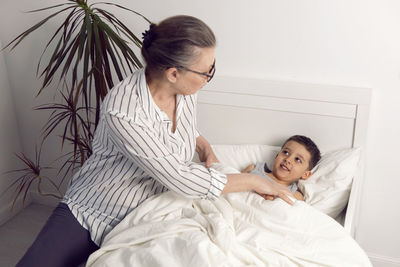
46 194
83 4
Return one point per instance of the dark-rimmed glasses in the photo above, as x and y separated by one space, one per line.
208 75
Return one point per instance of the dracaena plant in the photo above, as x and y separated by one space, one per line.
90 52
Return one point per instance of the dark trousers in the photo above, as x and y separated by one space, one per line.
61 242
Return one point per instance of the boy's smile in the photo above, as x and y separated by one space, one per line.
284 167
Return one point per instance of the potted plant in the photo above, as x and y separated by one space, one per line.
91 52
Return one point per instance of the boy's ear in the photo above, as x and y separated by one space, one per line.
171 74
306 175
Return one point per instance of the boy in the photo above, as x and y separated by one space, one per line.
295 160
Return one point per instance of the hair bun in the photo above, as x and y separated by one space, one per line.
148 36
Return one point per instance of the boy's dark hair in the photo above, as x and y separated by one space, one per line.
309 145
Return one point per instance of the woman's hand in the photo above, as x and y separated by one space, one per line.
271 190
267 189
206 154
208 157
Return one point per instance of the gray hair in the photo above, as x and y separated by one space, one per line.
173 43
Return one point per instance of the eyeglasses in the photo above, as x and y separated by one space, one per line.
209 75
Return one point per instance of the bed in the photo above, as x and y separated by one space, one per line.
246 120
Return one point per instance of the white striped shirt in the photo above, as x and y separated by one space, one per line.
136 155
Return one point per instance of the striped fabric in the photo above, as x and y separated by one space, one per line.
135 156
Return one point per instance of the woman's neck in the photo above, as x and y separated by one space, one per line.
165 98
162 93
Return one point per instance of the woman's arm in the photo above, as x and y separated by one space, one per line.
247 182
142 146
243 181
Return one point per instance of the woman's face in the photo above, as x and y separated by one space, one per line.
190 82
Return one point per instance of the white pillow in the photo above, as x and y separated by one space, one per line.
241 156
328 187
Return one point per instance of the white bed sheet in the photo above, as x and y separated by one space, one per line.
239 229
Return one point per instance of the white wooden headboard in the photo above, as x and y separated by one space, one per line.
235 110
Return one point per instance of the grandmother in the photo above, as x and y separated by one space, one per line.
144 145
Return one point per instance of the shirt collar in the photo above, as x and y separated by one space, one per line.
149 106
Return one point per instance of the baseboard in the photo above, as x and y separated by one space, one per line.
6 213
383 261
33 197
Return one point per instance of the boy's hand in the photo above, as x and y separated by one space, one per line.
267 197
248 168
298 195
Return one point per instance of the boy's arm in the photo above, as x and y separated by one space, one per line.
248 168
298 195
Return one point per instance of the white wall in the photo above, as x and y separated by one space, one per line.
9 144
353 42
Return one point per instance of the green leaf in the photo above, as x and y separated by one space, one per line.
86 57
120 26
20 37
47 8
86 53
137 13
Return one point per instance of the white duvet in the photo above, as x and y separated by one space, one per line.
238 229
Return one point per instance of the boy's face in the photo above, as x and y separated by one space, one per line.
291 163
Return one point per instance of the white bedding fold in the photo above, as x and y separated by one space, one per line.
238 229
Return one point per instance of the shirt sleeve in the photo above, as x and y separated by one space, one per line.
140 144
